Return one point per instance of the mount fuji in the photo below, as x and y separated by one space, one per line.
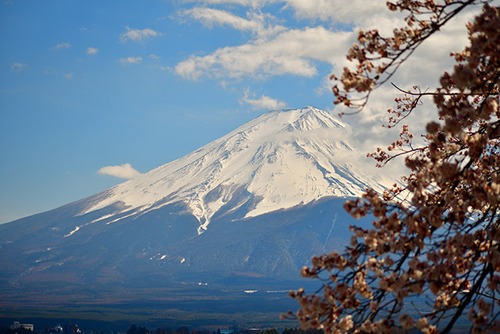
277 161
250 208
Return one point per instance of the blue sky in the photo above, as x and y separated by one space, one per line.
92 92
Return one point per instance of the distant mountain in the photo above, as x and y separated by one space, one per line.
250 208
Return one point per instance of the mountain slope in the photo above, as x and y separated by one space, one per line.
277 161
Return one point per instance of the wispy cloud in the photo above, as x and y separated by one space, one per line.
262 103
125 171
247 3
255 22
130 60
18 67
92 51
357 11
138 35
64 45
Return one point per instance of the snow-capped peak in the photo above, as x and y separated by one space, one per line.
277 161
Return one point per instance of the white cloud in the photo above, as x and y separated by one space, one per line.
130 60
357 12
247 3
276 50
92 51
62 46
290 52
210 17
125 171
138 35
256 21
69 76
337 11
18 67
263 103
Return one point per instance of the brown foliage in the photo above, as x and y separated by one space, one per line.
437 235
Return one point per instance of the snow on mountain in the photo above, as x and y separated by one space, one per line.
277 161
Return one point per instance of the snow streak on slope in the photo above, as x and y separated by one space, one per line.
277 161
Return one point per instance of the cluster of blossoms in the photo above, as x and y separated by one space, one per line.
437 236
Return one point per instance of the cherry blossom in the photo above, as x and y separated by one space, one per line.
435 236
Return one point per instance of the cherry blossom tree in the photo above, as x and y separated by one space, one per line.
435 236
